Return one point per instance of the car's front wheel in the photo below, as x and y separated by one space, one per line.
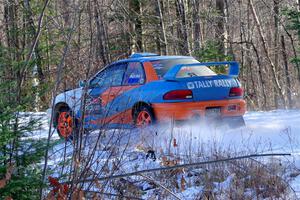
65 123
143 116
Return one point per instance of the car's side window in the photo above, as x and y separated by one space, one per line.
111 76
134 74
99 79
116 74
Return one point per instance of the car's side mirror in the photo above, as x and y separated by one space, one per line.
82 83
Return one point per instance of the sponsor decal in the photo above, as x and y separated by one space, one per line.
212 83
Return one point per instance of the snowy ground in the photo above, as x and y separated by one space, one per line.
275 131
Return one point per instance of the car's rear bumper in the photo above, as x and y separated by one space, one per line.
188 110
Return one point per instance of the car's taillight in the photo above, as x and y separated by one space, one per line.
178 95
236 92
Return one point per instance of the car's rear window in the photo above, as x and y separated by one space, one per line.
162 66
201 70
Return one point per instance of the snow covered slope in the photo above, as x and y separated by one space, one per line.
274 131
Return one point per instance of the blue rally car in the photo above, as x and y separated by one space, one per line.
148 88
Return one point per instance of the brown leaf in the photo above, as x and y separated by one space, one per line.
161 151
106 169
177 171
164 158
81 195
61 195
2 183
8 174
77 163
95 197
78 194
98 185
175 143
50 196
168 162
182 183
140 147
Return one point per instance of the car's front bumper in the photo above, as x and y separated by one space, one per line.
188 110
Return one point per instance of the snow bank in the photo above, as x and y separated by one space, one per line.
274 131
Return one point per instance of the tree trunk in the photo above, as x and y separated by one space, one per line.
2 27
182 28
163 35
197 25
260 77
297 64
266 51
102 48
135 9
276 56
287 74
37 56
220 26
228 49
106 38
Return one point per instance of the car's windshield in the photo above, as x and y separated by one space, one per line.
162 66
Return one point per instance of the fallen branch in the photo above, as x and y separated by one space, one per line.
181 166
115 195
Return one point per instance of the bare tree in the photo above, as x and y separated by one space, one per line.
163 35
136 27
182 29
267 53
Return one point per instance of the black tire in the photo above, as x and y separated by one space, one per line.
74 125
143 108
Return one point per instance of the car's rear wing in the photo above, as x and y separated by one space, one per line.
233 70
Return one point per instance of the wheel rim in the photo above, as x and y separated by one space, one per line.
143 119
65 124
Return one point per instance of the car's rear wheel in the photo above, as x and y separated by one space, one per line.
66 123
143 116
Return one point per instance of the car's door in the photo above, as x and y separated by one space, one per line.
134 77
112 91
118 96
118 100
100 86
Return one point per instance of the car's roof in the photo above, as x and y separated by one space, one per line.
152 58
